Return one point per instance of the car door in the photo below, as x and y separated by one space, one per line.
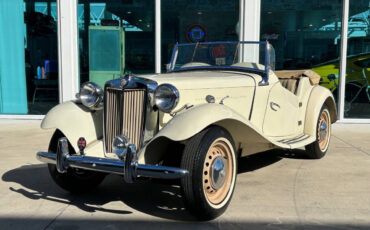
281 116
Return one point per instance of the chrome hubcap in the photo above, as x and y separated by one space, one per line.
218 172
323 129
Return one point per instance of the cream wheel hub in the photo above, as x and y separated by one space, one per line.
323 130
218 171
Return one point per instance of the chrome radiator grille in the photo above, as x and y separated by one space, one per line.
124 113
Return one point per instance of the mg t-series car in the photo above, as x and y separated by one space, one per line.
219 101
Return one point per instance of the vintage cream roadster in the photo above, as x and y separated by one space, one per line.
219 101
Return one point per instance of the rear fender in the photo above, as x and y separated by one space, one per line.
75 121
319 96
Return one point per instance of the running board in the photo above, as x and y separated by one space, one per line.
298 141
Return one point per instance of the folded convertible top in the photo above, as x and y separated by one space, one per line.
297 74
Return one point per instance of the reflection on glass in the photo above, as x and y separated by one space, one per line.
115 37
28 57
305 36
223 55
357 95
197 21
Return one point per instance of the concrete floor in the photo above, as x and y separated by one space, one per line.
275 190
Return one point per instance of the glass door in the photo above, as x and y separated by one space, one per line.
115 37
357 87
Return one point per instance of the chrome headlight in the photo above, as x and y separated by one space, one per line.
166 97
91 95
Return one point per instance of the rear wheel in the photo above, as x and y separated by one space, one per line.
318 149
74 180
210 159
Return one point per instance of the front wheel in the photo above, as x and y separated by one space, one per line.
318 148
74 180
210 159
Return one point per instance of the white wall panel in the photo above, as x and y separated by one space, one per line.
343 59
157 36
68 49
249 20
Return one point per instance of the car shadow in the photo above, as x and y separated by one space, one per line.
157 199
264 159
161 199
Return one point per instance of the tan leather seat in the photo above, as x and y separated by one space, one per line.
290 84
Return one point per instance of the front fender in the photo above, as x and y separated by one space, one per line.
187 124
319 96
191 122
75 121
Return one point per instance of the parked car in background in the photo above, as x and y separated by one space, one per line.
218 102
357 78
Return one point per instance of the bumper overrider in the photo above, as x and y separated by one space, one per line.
126 165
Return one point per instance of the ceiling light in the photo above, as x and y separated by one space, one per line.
310 25
269 12
323 19
129 12
140 20
200 12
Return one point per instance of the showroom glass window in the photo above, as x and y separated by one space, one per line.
28 57
357 91
188 21
115 37
305 35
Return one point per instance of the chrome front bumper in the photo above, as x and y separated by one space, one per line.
128 167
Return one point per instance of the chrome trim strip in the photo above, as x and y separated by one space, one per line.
295 139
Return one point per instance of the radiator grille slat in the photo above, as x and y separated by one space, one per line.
124 113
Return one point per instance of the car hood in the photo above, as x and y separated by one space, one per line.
204 79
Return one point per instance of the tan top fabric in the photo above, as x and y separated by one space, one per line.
289 84
297 74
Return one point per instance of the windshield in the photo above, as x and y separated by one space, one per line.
253 56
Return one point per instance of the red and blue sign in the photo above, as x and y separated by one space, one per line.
196 33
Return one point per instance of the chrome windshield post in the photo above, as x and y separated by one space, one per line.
263 82
265 78
173 58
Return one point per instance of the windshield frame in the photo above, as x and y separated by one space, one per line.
265 72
